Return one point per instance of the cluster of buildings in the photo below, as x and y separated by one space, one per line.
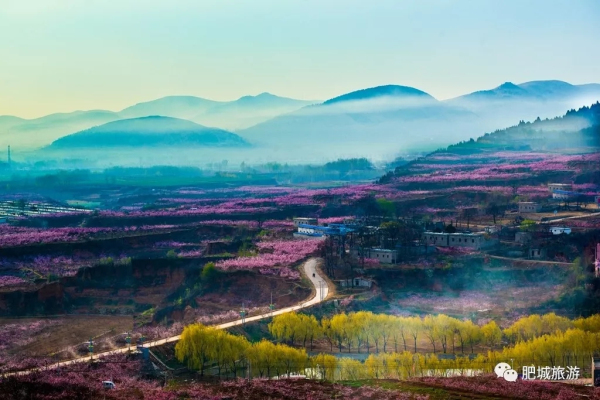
20 208
559 192
309 228
429 239
476 241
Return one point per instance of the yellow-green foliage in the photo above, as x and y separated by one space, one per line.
201 346
539 340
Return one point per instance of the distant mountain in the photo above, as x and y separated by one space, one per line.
38 132
505 91
526 101
241 113
538 90
361 123
381 91
185 107
153 131
6 121
247 111
373 122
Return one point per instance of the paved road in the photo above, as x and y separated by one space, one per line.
529 261
549 222
310 269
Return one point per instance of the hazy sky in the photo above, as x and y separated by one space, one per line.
65 55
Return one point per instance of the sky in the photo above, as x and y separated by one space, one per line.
66 55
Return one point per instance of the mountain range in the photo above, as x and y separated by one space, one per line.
384 120
372 122
243 112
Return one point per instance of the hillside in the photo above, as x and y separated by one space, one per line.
576 129
149 132
549 145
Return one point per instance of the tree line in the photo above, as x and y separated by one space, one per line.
366 331
203 348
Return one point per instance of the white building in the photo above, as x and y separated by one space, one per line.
470 240
308 231
492 229
529 207
559 186
559 230
384 256
563 194
356 282
305 221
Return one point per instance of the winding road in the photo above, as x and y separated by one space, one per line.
310 269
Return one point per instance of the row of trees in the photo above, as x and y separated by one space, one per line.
573 348
364 330
367 331
203 348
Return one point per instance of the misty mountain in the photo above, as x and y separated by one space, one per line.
368 122
526 101
244 112
391 91
247 111
7 121
34 133
371 122
185 107
153 131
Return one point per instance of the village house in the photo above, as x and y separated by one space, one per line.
537 253
559 186
492 229
307 230
356 282
385 256
563 194
522 237
529 207
470 240
305 221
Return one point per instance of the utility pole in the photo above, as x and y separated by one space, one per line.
8 158
271 305
128 340
243 314
91 349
